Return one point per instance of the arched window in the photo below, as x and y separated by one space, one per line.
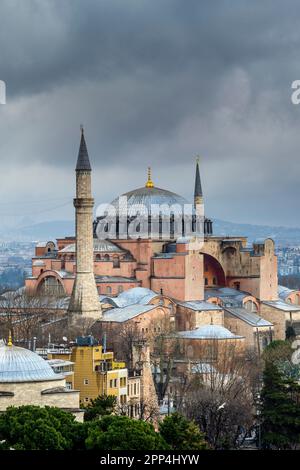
206 281
98 257
51 286
190 351
264 342
108 290
116 262
106 257
120 289
250 306
214 281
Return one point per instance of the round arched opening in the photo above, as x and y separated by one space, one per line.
213 272
50 285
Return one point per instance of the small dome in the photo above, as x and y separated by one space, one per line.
22 365
209 332
136 295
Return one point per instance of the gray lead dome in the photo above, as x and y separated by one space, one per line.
22 365
147 197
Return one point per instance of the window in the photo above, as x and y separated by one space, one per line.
206 281
86 399
116 262
190 351
115 383
86 381
214 281
120 289
108 290
110 384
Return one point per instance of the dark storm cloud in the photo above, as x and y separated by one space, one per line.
154 82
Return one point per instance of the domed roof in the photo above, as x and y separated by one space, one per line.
143 201
136 295
22 365
209 332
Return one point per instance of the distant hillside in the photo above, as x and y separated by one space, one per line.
59 228
42 231
281 235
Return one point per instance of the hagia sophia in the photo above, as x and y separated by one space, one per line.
215 288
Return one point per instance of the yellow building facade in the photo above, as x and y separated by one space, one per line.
95 372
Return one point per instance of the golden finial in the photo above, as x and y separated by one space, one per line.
9 343
149 183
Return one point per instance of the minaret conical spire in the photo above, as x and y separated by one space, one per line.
83 161
198 195
84 299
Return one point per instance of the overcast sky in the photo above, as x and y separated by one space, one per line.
154 83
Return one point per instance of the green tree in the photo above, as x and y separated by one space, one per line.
123 433
37 428
280 410
290 332
101 406
182 434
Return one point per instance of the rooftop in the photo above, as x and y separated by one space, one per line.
209 332
101 246
281 305
199 305
125 313
249 317
22 365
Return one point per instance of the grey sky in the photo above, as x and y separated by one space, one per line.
154 83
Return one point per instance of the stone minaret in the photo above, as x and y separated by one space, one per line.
84 299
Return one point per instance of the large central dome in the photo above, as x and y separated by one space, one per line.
144 201
150 212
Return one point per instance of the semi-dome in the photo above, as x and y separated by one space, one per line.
209 332
136 295
22 365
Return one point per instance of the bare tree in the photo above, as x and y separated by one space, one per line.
221 396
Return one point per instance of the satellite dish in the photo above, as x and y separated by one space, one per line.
65 338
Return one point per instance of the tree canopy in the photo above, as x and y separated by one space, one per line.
101 406
36 428
182 434
123 433
280 410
